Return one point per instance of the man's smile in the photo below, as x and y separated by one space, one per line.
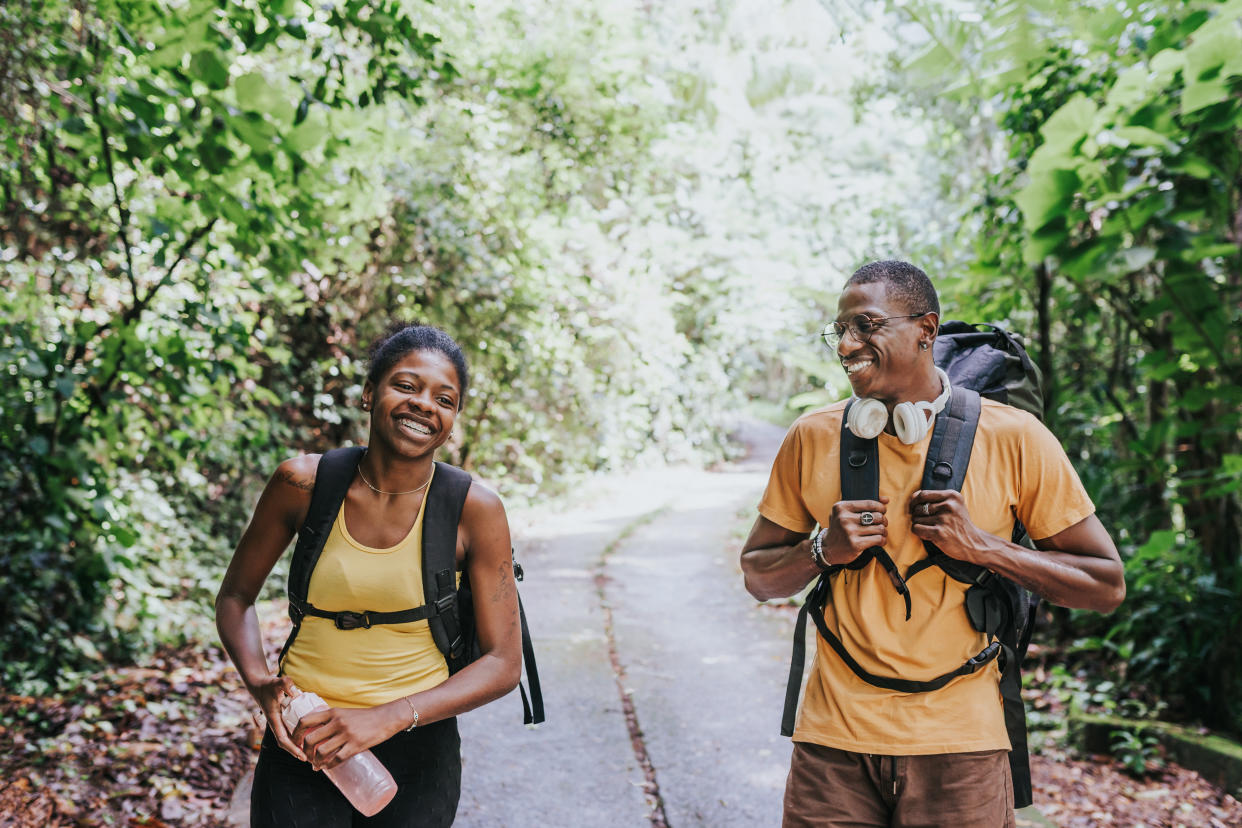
854 366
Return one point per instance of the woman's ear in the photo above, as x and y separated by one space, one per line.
367 392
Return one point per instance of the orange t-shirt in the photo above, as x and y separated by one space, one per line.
1016 468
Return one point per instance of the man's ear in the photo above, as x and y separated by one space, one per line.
930 325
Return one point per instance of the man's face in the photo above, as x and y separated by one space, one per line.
885 366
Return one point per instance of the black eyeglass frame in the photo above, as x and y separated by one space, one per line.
835 331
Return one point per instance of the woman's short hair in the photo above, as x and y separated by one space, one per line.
403 338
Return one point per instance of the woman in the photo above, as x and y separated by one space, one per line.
388 686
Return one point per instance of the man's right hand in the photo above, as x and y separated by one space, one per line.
850 533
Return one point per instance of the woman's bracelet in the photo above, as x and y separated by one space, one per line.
414 723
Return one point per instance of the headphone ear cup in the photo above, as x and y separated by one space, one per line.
910 422
867 418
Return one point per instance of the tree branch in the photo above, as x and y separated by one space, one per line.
122 210
1118 303
1197 324
166 280
97 390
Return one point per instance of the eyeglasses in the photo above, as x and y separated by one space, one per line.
861 326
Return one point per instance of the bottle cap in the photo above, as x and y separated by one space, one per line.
299 706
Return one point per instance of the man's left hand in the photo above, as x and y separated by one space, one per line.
942 518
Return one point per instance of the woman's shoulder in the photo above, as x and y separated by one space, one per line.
482 498
298 472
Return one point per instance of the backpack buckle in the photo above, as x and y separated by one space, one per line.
984 657
445 603
296 613
349 620
518 574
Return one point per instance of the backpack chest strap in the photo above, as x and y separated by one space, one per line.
354 620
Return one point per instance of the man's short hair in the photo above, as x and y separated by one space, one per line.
905 282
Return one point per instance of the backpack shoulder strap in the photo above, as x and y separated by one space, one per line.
333 477
332 480
953 438
948 457
860 463
445 499
860 480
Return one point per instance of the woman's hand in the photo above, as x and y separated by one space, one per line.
329 737
272 695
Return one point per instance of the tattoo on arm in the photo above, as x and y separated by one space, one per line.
286 476
504 587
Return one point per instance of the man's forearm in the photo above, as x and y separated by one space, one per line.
778 571
1063 578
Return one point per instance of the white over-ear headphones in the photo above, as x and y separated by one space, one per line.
867 417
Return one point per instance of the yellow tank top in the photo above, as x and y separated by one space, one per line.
366 667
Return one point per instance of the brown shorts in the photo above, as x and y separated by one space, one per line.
830 788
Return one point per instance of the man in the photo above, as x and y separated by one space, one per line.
869 756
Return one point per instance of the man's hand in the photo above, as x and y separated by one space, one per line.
942 518
851 532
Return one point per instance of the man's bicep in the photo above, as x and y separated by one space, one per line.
1087 537
766 534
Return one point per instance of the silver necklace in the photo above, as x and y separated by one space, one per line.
381 491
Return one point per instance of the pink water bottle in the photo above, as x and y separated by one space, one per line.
363 779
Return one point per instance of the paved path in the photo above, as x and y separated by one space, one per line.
652 560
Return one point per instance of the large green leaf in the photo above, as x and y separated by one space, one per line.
208 67
1048 195
1204 93
1210 49
1071 123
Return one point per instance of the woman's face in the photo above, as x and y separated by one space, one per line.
414 405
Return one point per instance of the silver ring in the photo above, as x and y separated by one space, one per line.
867 518
927 509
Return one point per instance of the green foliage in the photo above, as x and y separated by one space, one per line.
163 170
1139 754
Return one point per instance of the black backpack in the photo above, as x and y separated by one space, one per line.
447 607
992 363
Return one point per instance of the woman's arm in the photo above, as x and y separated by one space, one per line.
332 736
279 513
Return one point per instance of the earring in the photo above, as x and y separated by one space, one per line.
922 346
366 406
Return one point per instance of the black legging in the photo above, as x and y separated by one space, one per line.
426 764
